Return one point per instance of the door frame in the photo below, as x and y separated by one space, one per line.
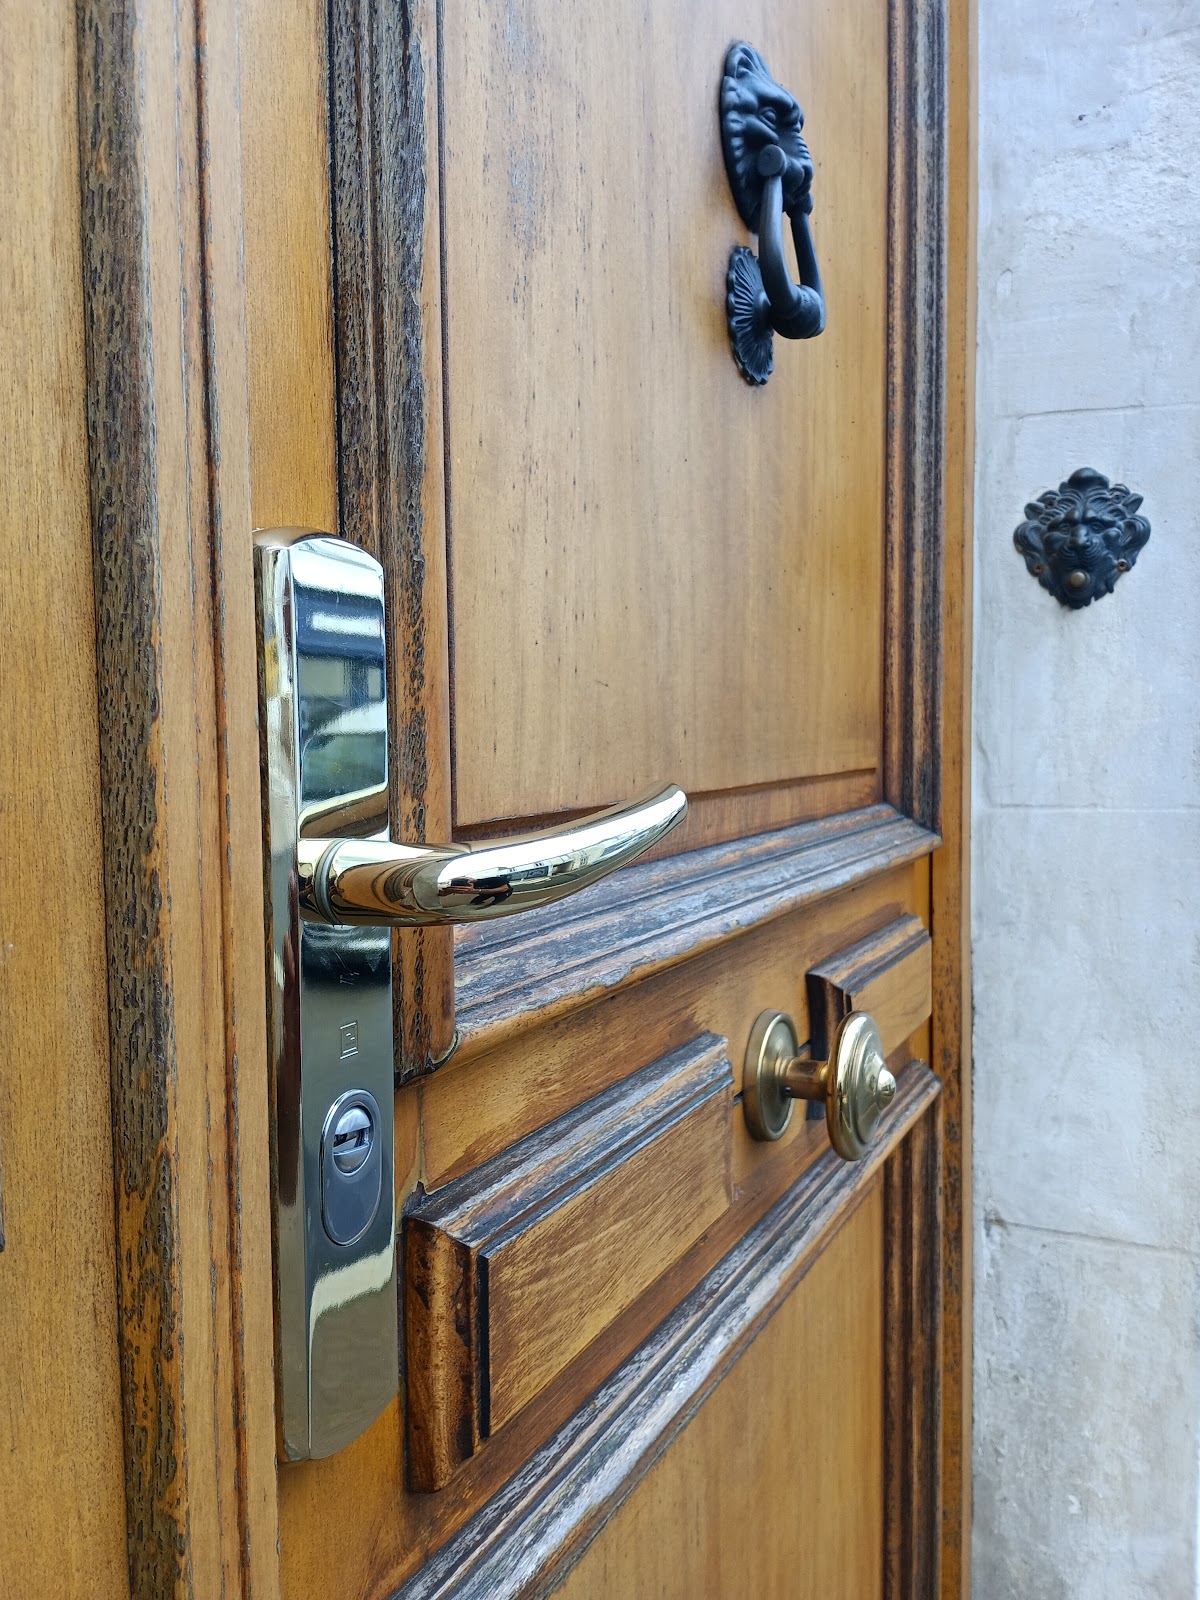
169 462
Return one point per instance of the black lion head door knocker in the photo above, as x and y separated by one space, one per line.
1078 540
770 172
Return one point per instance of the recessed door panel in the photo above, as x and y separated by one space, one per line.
654 566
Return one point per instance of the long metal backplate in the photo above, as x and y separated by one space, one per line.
323 729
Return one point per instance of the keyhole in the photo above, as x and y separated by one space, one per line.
353 1136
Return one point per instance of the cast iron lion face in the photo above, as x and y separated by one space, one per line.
1079 539
756 112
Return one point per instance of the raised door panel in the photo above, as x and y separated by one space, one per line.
656 571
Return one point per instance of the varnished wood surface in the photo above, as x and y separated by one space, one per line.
474 1106
165 383
887 975
391 485
295 456
776 1486
657 571
652 916
916 410
913 1533
727 814
62 1479
521 1541
513 1270
240 1251
284 103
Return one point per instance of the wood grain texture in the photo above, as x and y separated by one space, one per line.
62 1479
651 916
912 1542
284 102
791 1506
241 1255
514 1269
391 489
729 814
916 378
635 532
887 974
530 1533
142 1035
166 429
950 867
393 1532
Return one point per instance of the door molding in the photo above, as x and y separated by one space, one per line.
528 1535
164 318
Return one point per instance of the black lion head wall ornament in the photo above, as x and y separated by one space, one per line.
1080 538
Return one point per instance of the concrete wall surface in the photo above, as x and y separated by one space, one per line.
1086 833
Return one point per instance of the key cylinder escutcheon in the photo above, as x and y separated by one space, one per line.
351 1167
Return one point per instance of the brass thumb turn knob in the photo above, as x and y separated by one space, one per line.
854 1084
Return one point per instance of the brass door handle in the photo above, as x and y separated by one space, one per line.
376 882
854 1084
335 885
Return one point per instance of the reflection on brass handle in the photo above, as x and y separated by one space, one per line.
375 882
854 1084
770 171
328 862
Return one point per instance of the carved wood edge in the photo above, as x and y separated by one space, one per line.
526 1538
653 916
455 1238
914 493
837 984
384 196
912 1383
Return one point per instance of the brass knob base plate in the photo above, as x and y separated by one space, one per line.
773 1045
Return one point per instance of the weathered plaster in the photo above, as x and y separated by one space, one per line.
1086 854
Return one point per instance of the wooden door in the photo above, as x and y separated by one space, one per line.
449 282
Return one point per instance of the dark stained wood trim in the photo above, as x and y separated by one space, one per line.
383 190
912 1532
927 591
675 1113
526 1538
125 531
916 376
169 496
656 914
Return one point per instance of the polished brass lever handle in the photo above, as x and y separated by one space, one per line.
854 1084
376 882
329 861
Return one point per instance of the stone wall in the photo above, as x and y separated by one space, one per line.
1086 848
